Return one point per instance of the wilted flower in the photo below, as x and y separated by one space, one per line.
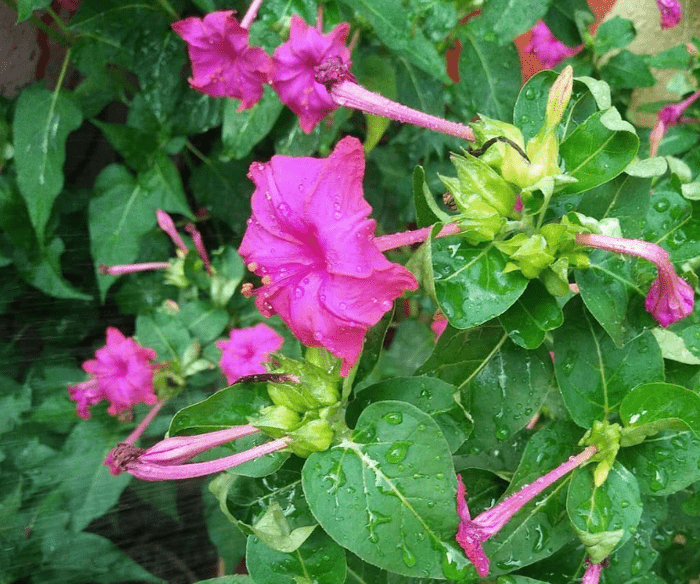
547 48
121 373
670 297
473 532
310 241
293 75
671 12
247 350
223 64
668 116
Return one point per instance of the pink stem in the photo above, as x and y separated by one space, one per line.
199 245
136 433
387 242
121 269
635 247
251 13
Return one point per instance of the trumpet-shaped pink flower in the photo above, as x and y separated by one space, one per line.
121 373
223 64
670 297
293 75
592 573
310 241
668 116
473 532
671 12
247 350
547 48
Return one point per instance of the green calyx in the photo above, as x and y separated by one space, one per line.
309 387
606 438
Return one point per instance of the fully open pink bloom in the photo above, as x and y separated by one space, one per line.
548 49
670 297
122 374
310 240
671 12
247 350
223 64
293 75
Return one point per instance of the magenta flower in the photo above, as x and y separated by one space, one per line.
471 533
167 460
547 48
293 76
671 12
670 297
121 373
668 116
310 240
223 64
592 573
438 325
247 350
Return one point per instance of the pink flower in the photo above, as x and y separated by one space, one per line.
122 374
668 116
592 573
293 75
310 240
223 64
548 49
670 298
167 460
246 351
439 324
471 533
671 12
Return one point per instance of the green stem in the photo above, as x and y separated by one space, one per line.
165 5
38 23
62 74
57 19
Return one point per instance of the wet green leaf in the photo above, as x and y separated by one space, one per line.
614 33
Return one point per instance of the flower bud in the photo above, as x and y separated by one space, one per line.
481 222
315 387
487 129
276 421
314 436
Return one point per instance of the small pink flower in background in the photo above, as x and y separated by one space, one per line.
223 64
671 12
310 241
439 324
670 297
293 75
71 5
548 49
121 373
668 116
247 350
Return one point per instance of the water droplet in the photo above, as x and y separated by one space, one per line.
397 451
409 558
337 215
284 209
393 417
530 94
502 433
298 292
662 205
343 306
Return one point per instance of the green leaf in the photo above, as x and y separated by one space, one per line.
16 399
242 130
614 33
427 210
593 374
204 321
531 103
432 396
627 70
598 150
165 333
671 224
611 293
136 146
674 58
652 407
506 393
123 210
319 559
388 494
41 126
534 314
604 517
569 20
26 7
410 347
486 81
225 535
510 18
372 347
460 354
470 285
388 18
665 463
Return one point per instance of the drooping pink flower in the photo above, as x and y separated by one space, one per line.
293 76
168 459
671 12
547 48
668 116
670 297
247 350
223 63
310 240
121 374
592 573
472 533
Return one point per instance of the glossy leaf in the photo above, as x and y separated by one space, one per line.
432 396
388 494
627 70
319 559
506 393
427 210
204 321
528 113
26 7
614 33
598 150
372 347
670 223
653 407
569 20
470 285
511 18
534 314
594 375
604 517
42 122
165 333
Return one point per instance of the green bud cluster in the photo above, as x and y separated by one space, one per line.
306 402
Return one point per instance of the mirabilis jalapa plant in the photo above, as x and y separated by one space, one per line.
536 439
